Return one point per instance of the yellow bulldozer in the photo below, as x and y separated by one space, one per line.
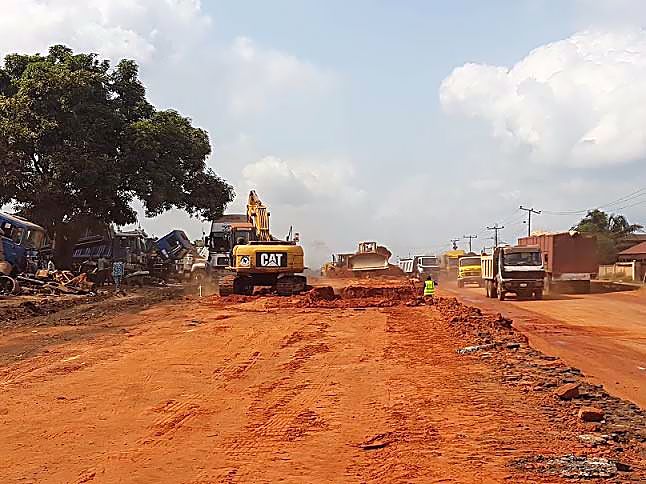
259 259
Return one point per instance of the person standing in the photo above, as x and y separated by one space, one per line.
118 269
101 267
429 287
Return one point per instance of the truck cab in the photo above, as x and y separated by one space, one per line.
225 235
518 270
469 270
21 242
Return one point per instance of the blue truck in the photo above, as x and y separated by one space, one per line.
21 242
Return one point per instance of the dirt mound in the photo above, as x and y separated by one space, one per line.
363 292
359 296
469 320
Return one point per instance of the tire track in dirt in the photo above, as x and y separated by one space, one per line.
282 410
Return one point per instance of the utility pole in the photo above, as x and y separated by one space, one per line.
495 228
455 243
470 237
529 211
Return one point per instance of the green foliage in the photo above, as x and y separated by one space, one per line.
608 229
79 141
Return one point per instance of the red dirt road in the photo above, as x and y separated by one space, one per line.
203 391
604 335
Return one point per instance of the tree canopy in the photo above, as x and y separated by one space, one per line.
79 141
608 229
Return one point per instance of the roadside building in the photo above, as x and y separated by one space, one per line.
631 263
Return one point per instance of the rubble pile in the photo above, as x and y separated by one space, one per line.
614 428
54 283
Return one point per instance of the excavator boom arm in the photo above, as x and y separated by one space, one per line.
258 216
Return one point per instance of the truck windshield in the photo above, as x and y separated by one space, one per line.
428 261
523 259
470 261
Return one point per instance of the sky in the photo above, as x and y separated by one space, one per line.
406 122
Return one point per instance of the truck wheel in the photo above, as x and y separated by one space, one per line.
538 295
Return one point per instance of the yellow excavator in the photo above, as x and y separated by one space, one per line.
262 260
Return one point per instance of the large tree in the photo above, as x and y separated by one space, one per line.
608 229
79 142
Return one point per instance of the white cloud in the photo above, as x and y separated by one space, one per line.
136 29
256 75
300 183
579 101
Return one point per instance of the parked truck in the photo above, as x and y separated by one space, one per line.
517 269
469 270
421 266
570 259
21 242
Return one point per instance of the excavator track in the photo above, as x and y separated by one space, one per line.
235 284
290 285
225 284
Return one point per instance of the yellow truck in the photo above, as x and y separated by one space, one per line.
449 263
469 270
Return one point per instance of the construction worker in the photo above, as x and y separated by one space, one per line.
429 287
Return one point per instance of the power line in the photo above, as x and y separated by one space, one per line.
470 237
631 196
529 211
455 243
495 228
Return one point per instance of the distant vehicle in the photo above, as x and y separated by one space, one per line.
469 270
174 245
21 242
517 269
132 246
421 266
570 260
449 263
369 257
338 267
140 253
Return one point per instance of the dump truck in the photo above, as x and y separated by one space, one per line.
469 270
257 258
513 269
449 263
570 259
421 266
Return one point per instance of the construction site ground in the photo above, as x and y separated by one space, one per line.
603 333
376 385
